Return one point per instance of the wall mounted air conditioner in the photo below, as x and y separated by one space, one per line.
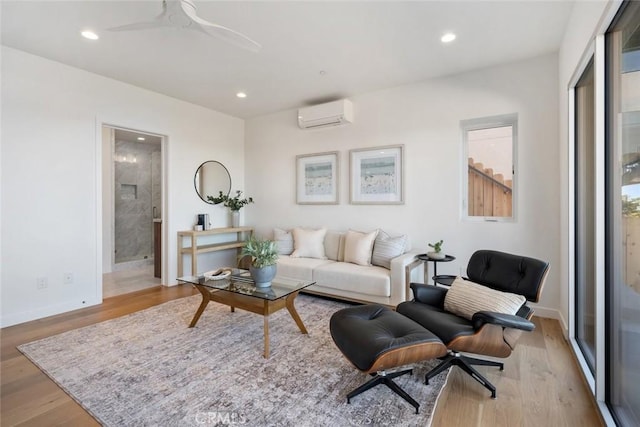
328 114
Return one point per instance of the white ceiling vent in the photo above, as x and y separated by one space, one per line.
324 115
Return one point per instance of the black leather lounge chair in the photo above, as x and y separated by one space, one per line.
486 333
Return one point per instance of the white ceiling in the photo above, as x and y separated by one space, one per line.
360 46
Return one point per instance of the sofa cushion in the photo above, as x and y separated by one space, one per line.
334 245
299 268
386 248
308 243
358 247
368 280
465 298
284 241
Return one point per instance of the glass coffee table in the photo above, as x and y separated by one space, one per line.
245 295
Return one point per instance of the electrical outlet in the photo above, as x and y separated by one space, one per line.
67 278
41 282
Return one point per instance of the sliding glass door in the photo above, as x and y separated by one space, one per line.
585 226
623 215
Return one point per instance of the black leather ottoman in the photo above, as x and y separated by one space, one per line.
375 338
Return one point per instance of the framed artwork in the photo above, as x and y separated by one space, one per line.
377 175
317 179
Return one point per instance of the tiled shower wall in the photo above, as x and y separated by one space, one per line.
137 179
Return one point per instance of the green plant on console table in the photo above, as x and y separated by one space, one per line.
234 203
263 252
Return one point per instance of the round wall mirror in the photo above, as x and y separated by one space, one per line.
211 178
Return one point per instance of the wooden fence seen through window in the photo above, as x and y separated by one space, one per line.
489 194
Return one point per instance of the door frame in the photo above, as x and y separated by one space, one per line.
100 198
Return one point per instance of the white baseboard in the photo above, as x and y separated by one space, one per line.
27 316
549 313
565 326
552 313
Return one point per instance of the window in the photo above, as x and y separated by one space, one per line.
489 167
585 220
623 215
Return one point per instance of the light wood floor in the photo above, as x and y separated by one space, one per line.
540 386
127 281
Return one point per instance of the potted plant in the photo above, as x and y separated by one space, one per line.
234 204
437 250
264 256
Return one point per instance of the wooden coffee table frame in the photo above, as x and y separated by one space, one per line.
249 303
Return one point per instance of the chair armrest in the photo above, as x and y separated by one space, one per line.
506 320
429 294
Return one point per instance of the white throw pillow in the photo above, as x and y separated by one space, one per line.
334 245
386 248
308 243
284 241
358 247
465 298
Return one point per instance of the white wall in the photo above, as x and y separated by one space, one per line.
578 37
51 189
108 203
425 117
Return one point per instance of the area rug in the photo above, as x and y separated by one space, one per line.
149 369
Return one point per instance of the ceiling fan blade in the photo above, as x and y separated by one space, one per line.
219 31
139 26
232 37
160 21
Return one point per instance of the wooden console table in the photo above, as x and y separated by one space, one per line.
237 242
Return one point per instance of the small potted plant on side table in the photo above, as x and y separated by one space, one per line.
437 250
264 256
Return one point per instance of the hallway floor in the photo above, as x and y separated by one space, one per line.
126 281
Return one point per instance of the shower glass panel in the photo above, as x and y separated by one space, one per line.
137 193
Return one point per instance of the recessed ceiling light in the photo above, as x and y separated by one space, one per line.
89 35
448 38
140 138
241 95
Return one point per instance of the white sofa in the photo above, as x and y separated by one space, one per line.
349 281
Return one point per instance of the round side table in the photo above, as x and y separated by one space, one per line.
425 259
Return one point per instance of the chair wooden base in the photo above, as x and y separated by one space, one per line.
386 379
465 362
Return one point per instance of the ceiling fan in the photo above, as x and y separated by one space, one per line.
182 14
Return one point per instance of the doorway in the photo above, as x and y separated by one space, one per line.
132 210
